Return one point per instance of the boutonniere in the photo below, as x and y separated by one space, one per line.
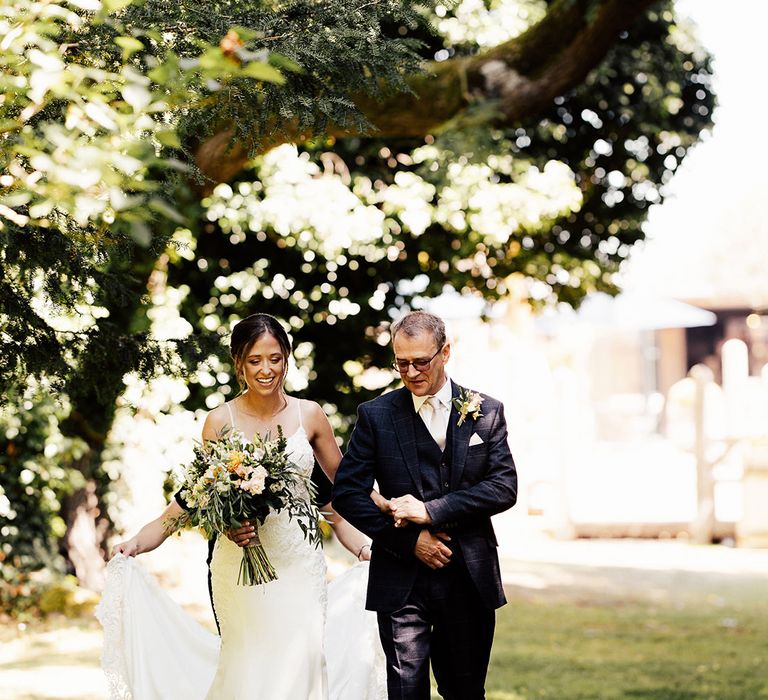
468 403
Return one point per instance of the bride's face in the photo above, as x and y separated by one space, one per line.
264 366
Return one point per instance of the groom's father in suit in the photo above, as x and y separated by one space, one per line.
445 467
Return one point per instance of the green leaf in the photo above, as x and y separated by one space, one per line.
166 210
9 125
168 137
214 61
115 5
285 63
161 74
246 34
129 45
141 234
264 72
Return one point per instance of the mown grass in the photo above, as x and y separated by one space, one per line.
573 651
705 642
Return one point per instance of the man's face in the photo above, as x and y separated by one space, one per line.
429 377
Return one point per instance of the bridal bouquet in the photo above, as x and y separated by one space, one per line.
233 479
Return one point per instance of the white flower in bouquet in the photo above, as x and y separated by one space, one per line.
255 485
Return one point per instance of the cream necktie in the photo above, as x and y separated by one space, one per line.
436 422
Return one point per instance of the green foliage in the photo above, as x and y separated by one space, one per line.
624 132
64 597
38 468
327 51
90 181
34 596
553 206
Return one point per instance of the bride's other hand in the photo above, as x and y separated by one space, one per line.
129 548
381 503
152 535
243 536
354 540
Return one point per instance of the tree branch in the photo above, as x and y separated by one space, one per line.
521 76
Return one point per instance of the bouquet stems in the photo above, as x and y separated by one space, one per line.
255 567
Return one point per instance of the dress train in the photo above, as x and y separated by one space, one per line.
153 650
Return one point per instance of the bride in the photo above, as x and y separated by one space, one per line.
272 635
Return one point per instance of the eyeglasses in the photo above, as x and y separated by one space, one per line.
420 365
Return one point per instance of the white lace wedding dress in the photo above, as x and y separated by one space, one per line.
275 643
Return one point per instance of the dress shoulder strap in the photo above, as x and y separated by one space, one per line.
228 404
301 422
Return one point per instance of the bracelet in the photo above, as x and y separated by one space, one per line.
361 550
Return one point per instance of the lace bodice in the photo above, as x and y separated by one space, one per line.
278 532
300 452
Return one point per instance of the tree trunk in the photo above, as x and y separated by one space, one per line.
111 353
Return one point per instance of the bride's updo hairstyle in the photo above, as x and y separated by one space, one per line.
248 331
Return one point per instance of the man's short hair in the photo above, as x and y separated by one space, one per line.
416 322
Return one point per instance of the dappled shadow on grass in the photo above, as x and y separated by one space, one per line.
55 659
60 642
33 661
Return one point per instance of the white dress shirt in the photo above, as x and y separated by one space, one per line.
435 420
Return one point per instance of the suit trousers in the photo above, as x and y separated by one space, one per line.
444 621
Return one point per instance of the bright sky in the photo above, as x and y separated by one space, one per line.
710 240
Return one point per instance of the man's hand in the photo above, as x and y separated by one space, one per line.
244 536
431 551
407 508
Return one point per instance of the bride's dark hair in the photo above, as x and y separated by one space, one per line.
248 331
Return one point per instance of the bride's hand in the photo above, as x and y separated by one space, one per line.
244 536
129 548
381 503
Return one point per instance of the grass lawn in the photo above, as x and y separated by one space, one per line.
604 632
568 650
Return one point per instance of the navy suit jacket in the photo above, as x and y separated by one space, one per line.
483 482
